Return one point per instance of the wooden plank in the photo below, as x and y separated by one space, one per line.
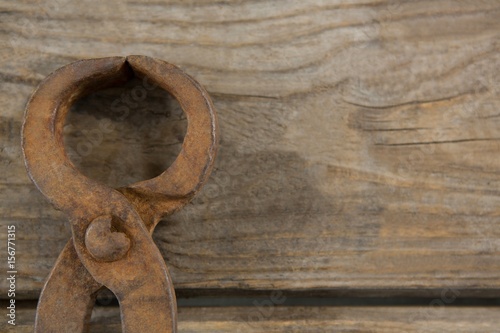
304 319
359 146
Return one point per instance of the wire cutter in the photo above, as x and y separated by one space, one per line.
111 241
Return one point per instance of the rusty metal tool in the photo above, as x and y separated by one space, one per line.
111 241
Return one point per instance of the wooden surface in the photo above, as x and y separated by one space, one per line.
310 319
359 151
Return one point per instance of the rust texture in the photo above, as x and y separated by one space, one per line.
111 241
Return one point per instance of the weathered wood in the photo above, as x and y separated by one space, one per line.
359 146
304 319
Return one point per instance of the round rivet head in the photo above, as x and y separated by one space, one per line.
104 242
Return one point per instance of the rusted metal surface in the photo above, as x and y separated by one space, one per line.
111 228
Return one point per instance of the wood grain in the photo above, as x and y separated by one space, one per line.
304 319
359 146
